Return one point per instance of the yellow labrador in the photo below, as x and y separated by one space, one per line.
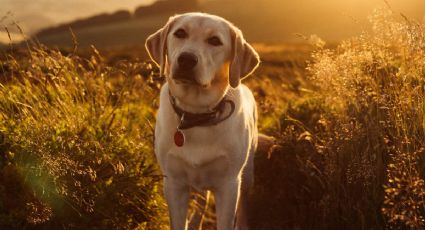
206 128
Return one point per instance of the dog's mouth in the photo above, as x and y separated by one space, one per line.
191 83
187 78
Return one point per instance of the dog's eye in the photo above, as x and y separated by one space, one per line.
214 41
180 33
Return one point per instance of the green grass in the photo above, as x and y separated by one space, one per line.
76 136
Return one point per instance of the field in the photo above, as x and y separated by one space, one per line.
76 134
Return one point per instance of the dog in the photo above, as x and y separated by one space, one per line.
206 126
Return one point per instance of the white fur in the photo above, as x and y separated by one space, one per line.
217 158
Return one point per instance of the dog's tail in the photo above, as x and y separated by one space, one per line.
265 144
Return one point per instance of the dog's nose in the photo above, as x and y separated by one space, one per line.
187 61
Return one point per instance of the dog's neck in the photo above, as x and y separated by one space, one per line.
195 109
213 117
195 102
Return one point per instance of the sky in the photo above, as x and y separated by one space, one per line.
33 15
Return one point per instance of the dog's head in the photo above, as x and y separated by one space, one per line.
201 55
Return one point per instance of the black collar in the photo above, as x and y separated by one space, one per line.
189 120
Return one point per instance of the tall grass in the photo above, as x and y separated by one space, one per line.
374 86
76 143
76 138
352 152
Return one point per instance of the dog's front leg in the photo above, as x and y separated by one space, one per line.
177 196
226 197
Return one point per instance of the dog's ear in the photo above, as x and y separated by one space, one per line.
244 58
156 45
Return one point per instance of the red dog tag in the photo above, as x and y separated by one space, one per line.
179 138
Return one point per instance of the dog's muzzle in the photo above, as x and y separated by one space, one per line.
187 61
185 69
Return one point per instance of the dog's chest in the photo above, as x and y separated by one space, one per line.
208 156
199 176
201 146
203 161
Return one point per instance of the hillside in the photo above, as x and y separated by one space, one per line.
120 28
262 21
